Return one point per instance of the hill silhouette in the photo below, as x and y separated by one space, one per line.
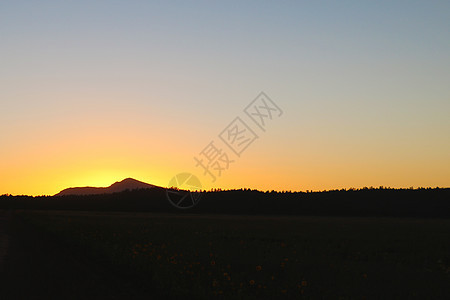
117 187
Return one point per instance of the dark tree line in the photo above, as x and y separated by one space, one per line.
362 202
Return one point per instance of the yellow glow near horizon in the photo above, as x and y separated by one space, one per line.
99 158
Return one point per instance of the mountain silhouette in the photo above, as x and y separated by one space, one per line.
126 184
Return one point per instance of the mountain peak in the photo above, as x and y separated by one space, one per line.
128 184
119 186
129 180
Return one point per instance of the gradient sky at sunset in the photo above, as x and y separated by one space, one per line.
93 92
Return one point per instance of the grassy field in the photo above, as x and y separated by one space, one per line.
257 257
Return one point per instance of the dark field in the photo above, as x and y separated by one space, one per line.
147 255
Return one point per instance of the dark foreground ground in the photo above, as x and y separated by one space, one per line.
99 255
39 265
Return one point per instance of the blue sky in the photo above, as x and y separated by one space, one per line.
370 77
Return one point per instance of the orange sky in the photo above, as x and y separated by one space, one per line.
90 155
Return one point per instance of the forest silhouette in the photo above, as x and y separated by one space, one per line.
422 202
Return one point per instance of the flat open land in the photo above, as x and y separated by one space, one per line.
68 254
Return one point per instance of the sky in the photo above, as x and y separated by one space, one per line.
93 92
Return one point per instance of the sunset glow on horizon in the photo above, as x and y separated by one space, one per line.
93 93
